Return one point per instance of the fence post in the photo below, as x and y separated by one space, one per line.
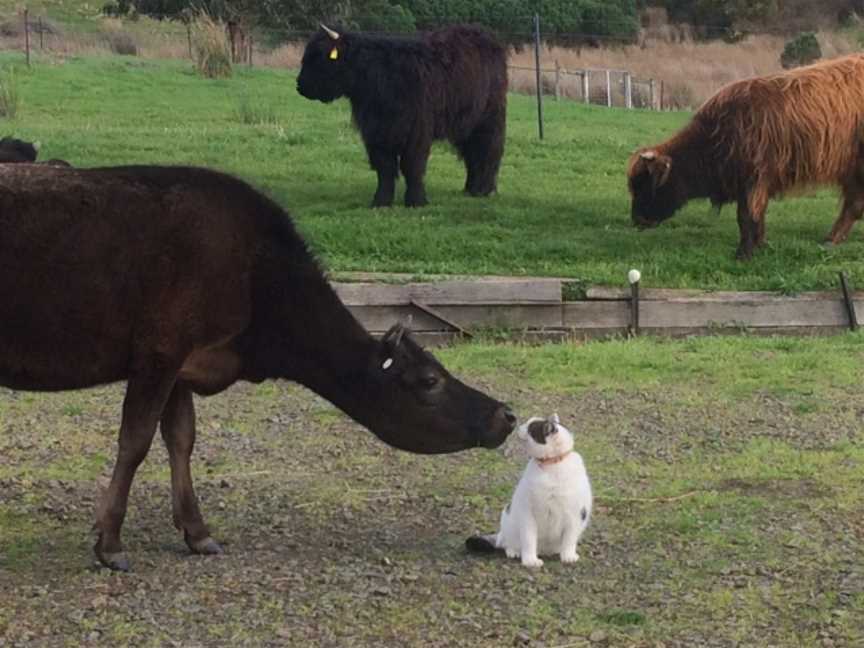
189 36
652 98
250 50
537 64
27 34
609 88
41 31
557 80
662 93
586 90
628 90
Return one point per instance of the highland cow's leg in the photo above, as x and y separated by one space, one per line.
482 153
413 166
146 395
384 163
851 211
749 230
178 432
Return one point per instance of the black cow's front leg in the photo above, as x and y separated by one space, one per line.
384 163
178 432
413 165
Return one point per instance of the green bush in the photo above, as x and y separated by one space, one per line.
801 50
380 15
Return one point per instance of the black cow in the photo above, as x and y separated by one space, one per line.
182 281
406 92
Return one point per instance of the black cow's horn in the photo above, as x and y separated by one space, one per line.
332 34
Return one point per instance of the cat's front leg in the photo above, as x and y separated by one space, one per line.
528 543
569 540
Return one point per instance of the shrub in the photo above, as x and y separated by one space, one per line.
121 42
801 50
380 15
212 49
10 100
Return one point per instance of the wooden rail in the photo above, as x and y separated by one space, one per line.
534 309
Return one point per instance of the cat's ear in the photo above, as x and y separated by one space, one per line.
554 419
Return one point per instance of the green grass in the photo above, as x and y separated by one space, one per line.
562 207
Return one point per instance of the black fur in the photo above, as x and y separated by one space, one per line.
14 151
481 545
407 92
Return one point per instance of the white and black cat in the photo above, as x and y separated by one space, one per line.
551 506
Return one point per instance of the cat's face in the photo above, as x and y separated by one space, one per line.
545 437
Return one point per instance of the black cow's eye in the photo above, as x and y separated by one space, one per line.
428 382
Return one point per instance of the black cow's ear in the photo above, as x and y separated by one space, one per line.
393 337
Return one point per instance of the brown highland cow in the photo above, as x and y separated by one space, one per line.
756 139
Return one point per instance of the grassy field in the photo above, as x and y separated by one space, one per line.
728 476
562 207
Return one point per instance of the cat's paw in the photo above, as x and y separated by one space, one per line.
532 562
512 553
569 556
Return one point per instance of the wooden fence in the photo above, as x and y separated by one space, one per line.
535 309
606 87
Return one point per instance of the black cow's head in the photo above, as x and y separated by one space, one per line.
656 189
323 73
413 403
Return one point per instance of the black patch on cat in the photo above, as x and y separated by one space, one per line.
584 513
539 430
480 545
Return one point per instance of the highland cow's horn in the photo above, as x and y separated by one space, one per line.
332 34
648 155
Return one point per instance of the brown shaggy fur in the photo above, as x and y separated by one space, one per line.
756 139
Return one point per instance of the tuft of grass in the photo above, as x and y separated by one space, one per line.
10 99
212 49
254 111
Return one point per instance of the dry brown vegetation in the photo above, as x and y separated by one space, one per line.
691 71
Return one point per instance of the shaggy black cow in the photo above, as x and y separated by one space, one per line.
406 92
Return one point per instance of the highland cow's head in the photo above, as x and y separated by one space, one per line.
656 187
324 75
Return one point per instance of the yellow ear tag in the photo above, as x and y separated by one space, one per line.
334 54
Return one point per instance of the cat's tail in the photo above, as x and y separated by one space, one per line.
482 544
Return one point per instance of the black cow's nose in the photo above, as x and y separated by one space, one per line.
510 417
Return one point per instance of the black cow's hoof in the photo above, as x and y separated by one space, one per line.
114 561
205 547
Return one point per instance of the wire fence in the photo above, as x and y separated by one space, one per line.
602 87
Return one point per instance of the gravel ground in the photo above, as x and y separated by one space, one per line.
716 525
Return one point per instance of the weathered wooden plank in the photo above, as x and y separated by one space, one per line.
789 311
596 314
602 292
468 316
451 292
